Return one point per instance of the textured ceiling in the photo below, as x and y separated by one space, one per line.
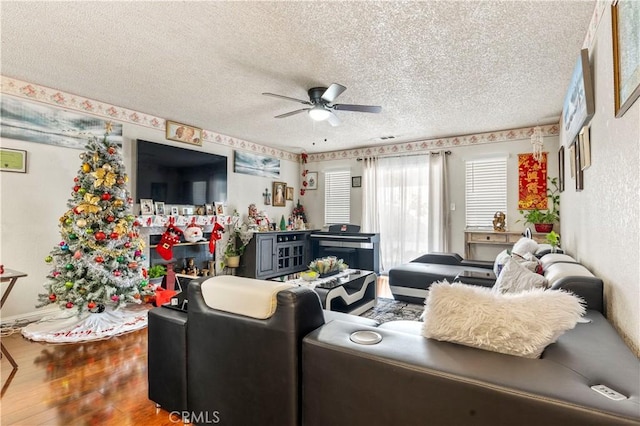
437 68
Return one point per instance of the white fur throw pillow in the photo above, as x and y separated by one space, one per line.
516 277
521 324
525 245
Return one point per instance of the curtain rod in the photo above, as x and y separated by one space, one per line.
408 154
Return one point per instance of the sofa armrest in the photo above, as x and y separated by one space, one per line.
439 258
487 264
588 288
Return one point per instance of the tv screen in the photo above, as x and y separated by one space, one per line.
179 176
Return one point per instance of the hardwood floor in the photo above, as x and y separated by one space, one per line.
95 383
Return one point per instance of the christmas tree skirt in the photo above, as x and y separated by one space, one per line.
68 327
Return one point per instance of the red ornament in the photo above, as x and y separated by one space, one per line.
110 219
76 188
106 196
136 296
114 236
302 192
127 244
132 265
145 274
305 183
91 305
100 235
52 297
76 211
69 305
111 150
99 259
117 273
76 179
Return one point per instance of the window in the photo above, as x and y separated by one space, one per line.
485 190
337 197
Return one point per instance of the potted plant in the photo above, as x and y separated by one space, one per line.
543 220
156 274
554 240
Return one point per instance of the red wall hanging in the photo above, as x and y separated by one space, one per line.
532 181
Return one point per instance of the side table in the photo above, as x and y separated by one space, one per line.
11 276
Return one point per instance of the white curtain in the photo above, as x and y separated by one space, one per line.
405 200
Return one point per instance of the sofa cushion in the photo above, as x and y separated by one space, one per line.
557 271
242 296
515 277
551 258
521 324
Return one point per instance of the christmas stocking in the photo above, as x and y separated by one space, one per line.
170 237
216 234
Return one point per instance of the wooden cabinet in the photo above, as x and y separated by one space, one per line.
274 254
506 239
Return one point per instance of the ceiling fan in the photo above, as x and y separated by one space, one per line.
321 104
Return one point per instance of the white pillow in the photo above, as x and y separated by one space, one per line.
525 245
520 324
516 277
500 261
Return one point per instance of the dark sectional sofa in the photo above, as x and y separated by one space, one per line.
300 366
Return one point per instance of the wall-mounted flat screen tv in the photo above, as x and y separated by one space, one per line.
178 175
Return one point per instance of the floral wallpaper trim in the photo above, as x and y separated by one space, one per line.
46 95
434 144
22 89
598 12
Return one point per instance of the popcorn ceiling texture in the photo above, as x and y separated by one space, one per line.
438 69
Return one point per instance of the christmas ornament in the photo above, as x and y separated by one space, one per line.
96 157
193 232
114 236
91 305
132 265
117 273
137 253
216 234
110 219
106 196
127 245
76 188
68 221
118 203
69 305
136 296
98 308
82 191
90 204
68 284
62 243
76 179
111 150
120 259
89 231
107 167
73 236
86 168
77 254
100 236
55 274
68 267
115 297
52 297
64 247
81 223
99 259
120 181
170 237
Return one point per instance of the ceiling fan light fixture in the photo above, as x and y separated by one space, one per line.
319 113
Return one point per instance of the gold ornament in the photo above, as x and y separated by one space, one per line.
96 157
90 204
126 178
107 167
121 227
118 203
86 168
81 223
108 127
103 177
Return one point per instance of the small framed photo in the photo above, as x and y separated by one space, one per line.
200 210
279 194
585 148
183 133
187 210
175 211
312 180
289 193
561 168
13 160
356 181
210 209
159 207
219 206
146 206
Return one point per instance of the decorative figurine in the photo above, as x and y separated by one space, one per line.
499 222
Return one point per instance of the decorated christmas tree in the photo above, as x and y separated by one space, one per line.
98 263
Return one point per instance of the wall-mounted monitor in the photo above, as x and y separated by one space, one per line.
178 175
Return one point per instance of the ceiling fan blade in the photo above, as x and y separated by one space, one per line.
333 92
288 114
288 98
333 119
358 108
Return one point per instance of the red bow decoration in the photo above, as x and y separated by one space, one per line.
216 234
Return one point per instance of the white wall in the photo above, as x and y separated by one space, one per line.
314 200
602 226
33 202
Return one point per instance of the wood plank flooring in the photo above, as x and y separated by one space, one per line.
94 383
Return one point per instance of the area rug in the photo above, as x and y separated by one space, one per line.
391 310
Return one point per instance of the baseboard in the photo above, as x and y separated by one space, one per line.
31 316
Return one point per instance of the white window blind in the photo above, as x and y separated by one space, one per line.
337 197
485 191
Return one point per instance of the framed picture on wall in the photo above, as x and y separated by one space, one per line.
579 172
585 148
626 54
289 193
579 105
561 169
175 211
356 181
279 194
312 180
159 207
183 133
